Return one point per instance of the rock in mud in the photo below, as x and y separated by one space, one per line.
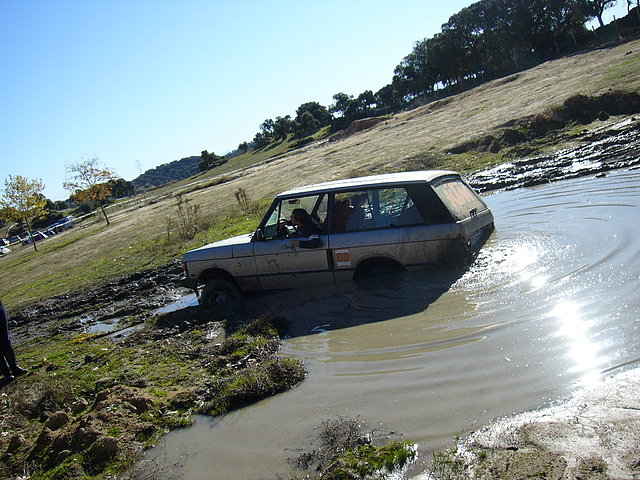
80 405
103 450
57 420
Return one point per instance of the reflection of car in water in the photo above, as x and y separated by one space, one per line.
370 224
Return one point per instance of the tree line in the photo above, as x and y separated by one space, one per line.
486 40
91 184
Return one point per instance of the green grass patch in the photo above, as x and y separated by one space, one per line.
365 460
132 390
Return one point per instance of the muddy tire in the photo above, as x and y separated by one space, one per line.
385 274
221 295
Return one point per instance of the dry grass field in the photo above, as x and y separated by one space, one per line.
139 238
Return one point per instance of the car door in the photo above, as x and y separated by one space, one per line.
391 222
279 265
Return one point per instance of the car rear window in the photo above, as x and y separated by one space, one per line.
461 201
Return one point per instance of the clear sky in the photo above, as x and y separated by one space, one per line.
145 82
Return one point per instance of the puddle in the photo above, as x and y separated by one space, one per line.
103 327
183 302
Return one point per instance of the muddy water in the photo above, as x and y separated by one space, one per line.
551 303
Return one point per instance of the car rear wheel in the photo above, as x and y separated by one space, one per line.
381 273
222 295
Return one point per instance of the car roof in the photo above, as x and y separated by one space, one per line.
424 176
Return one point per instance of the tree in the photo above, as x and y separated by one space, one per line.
260 140
88 181
307 123
597 8
342 104
121 188
60 205
267 128
319 112
388 97
345 110
243 147
282 127
22 201
209 161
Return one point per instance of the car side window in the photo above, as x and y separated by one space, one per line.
276 225
374 208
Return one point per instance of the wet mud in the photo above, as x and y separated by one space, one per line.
609 148
106 309
142 293
593 435
549 305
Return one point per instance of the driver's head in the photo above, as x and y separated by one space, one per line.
300 216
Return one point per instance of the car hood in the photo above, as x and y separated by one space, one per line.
228 248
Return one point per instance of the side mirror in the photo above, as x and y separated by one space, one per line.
259 235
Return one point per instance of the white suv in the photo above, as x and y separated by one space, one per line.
382 222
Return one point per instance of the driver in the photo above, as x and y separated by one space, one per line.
305 226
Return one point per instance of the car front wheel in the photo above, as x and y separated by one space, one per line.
221 295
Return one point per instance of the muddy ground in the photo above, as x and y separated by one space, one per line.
74 433
109 374
609 147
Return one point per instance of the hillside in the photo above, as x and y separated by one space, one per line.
167 173
142 235
421 138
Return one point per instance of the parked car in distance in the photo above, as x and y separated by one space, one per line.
4 250
34 237
63 224
383 222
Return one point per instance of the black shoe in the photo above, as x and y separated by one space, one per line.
6 380
19 371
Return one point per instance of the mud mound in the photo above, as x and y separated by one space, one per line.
96 404
356 127
616 147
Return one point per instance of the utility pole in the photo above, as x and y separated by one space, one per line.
144 195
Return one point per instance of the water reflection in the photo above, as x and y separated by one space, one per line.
582 350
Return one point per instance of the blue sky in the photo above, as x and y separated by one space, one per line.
148 82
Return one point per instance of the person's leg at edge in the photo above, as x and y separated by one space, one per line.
8 357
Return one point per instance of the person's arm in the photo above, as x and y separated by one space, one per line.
312 242
313 238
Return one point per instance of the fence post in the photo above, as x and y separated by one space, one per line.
615 22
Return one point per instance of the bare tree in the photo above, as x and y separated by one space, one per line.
88 181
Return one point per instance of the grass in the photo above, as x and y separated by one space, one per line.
366 460
68 262
343 450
